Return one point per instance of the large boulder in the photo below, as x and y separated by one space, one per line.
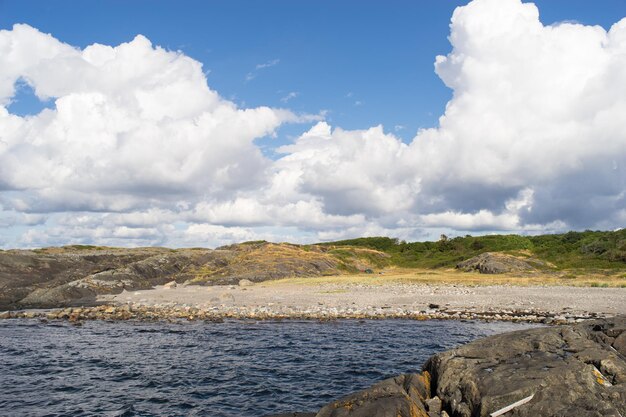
572 370
402 396
496 263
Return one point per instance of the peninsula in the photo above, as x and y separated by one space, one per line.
550 278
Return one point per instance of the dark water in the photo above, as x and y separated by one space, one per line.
209 369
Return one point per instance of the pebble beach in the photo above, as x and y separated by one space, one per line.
537 304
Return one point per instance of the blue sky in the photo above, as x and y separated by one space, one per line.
365 62
530 109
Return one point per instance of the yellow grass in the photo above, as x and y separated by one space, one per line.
454 277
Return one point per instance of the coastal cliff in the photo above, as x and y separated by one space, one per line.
573 370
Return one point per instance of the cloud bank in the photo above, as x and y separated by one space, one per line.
138 150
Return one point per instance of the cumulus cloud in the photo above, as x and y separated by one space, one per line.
535 107
132 123
536 117
139 150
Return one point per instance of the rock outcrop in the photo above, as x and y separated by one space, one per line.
577 370
79 284
75 275
404 395
262 261
25 271
498 263
574 370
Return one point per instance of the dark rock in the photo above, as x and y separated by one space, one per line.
620 343
496 263
433 305
155 267
402 396
570 371
24 271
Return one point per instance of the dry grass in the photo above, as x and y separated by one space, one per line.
454 277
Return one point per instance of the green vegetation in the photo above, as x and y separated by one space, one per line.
588 250
84 247
253 242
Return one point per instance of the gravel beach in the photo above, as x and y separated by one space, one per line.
326 301
534 303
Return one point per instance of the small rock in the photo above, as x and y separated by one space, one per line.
170 285
434 405
245 283
432 305
227 297
620 343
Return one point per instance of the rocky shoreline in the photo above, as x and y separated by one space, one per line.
571 370
173 312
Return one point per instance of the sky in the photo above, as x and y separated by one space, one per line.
202 123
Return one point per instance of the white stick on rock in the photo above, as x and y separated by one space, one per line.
512 406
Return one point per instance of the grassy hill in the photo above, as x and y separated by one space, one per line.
586 250
77 274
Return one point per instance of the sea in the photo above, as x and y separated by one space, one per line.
227 369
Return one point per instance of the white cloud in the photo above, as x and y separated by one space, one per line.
268 64
253 74
289 96
349 171
139 150
537 111
132 123
534 107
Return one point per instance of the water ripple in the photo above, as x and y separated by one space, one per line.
231 369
